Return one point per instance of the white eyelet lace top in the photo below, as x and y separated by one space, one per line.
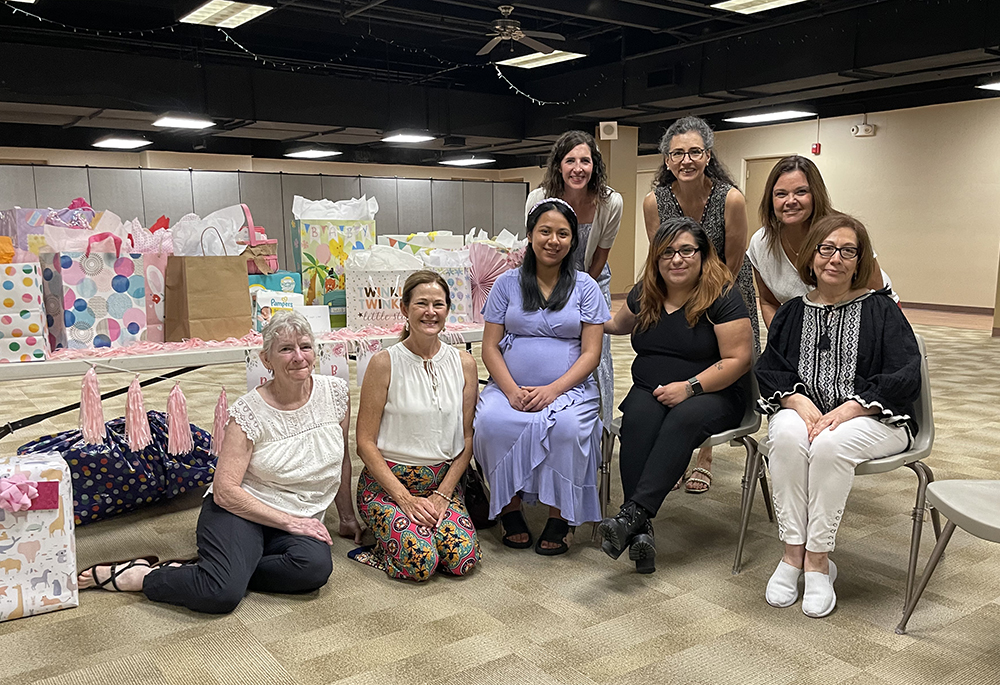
422 421
297 455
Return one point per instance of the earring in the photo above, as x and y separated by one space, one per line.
406 326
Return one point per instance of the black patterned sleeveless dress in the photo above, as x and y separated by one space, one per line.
713 220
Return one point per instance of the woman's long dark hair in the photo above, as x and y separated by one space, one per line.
531 294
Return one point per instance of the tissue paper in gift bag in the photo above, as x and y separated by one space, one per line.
37 543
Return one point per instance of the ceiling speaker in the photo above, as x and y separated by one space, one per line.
609 130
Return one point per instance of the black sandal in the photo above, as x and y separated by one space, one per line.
555 530
117 568
514 524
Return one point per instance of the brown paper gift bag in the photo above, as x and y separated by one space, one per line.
206 297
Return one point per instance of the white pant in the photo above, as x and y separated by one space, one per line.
811 481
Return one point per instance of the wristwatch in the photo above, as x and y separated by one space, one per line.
695 384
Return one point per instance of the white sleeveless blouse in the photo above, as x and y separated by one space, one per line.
422 423
297 455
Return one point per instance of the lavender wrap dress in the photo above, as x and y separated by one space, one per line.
550 455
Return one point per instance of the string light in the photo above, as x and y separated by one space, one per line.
97 32
269 61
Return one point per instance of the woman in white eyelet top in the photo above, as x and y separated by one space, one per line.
293 467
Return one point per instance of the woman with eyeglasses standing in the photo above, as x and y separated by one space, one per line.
693 183
838 379
691 334
794 197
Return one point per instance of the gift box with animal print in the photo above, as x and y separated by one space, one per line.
37 546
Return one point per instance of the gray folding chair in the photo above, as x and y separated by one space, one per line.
738 436
969 504
923 415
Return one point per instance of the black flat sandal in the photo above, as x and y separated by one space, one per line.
555 530
514 524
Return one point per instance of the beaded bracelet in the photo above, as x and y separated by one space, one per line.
450 499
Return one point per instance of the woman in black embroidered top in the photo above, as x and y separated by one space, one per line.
691 334
838 378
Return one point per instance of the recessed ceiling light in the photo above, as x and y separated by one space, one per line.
770 116
181 121
753 6
990 86
224 13
26 2
312 153
122 143
468 161
408 138
539 59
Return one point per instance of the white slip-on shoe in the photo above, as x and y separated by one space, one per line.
783 587
819 599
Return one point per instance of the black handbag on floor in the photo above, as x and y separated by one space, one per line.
477 498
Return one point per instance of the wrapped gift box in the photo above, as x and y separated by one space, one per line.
37 544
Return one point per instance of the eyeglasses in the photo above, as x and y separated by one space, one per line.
827 250
687 252
695 153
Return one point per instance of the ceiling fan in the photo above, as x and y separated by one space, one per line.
510 29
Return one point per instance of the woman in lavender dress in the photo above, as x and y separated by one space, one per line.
537 430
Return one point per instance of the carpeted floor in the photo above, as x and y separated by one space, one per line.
581 618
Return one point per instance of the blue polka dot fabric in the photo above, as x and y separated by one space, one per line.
111 479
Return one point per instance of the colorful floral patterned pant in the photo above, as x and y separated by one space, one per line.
413 551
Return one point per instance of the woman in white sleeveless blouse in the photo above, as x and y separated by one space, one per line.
414 435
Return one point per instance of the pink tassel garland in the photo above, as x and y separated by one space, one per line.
91 411
221 414
136 420
179 438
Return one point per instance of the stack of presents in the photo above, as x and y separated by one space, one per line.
78 278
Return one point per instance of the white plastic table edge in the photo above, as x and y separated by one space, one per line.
24 371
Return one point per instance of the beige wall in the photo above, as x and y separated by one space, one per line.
926 185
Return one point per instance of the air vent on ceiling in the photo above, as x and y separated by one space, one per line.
661 77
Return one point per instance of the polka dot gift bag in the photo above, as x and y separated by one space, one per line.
22 314
101 295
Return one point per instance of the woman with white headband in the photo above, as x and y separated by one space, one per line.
537 432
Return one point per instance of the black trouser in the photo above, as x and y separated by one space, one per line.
657 441
236 555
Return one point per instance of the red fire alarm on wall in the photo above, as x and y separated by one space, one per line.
815 148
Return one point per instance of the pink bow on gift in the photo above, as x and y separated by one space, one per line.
16 492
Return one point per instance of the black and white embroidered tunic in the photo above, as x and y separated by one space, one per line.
861 350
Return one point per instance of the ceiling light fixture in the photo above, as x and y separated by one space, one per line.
468 161
770 117
313 153
539 59
753 6
225 14
408 138
989 86
121 143
183 121
26 2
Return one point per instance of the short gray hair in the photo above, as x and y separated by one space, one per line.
685 125
285 321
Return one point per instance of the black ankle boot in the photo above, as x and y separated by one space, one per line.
643 550
619 531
